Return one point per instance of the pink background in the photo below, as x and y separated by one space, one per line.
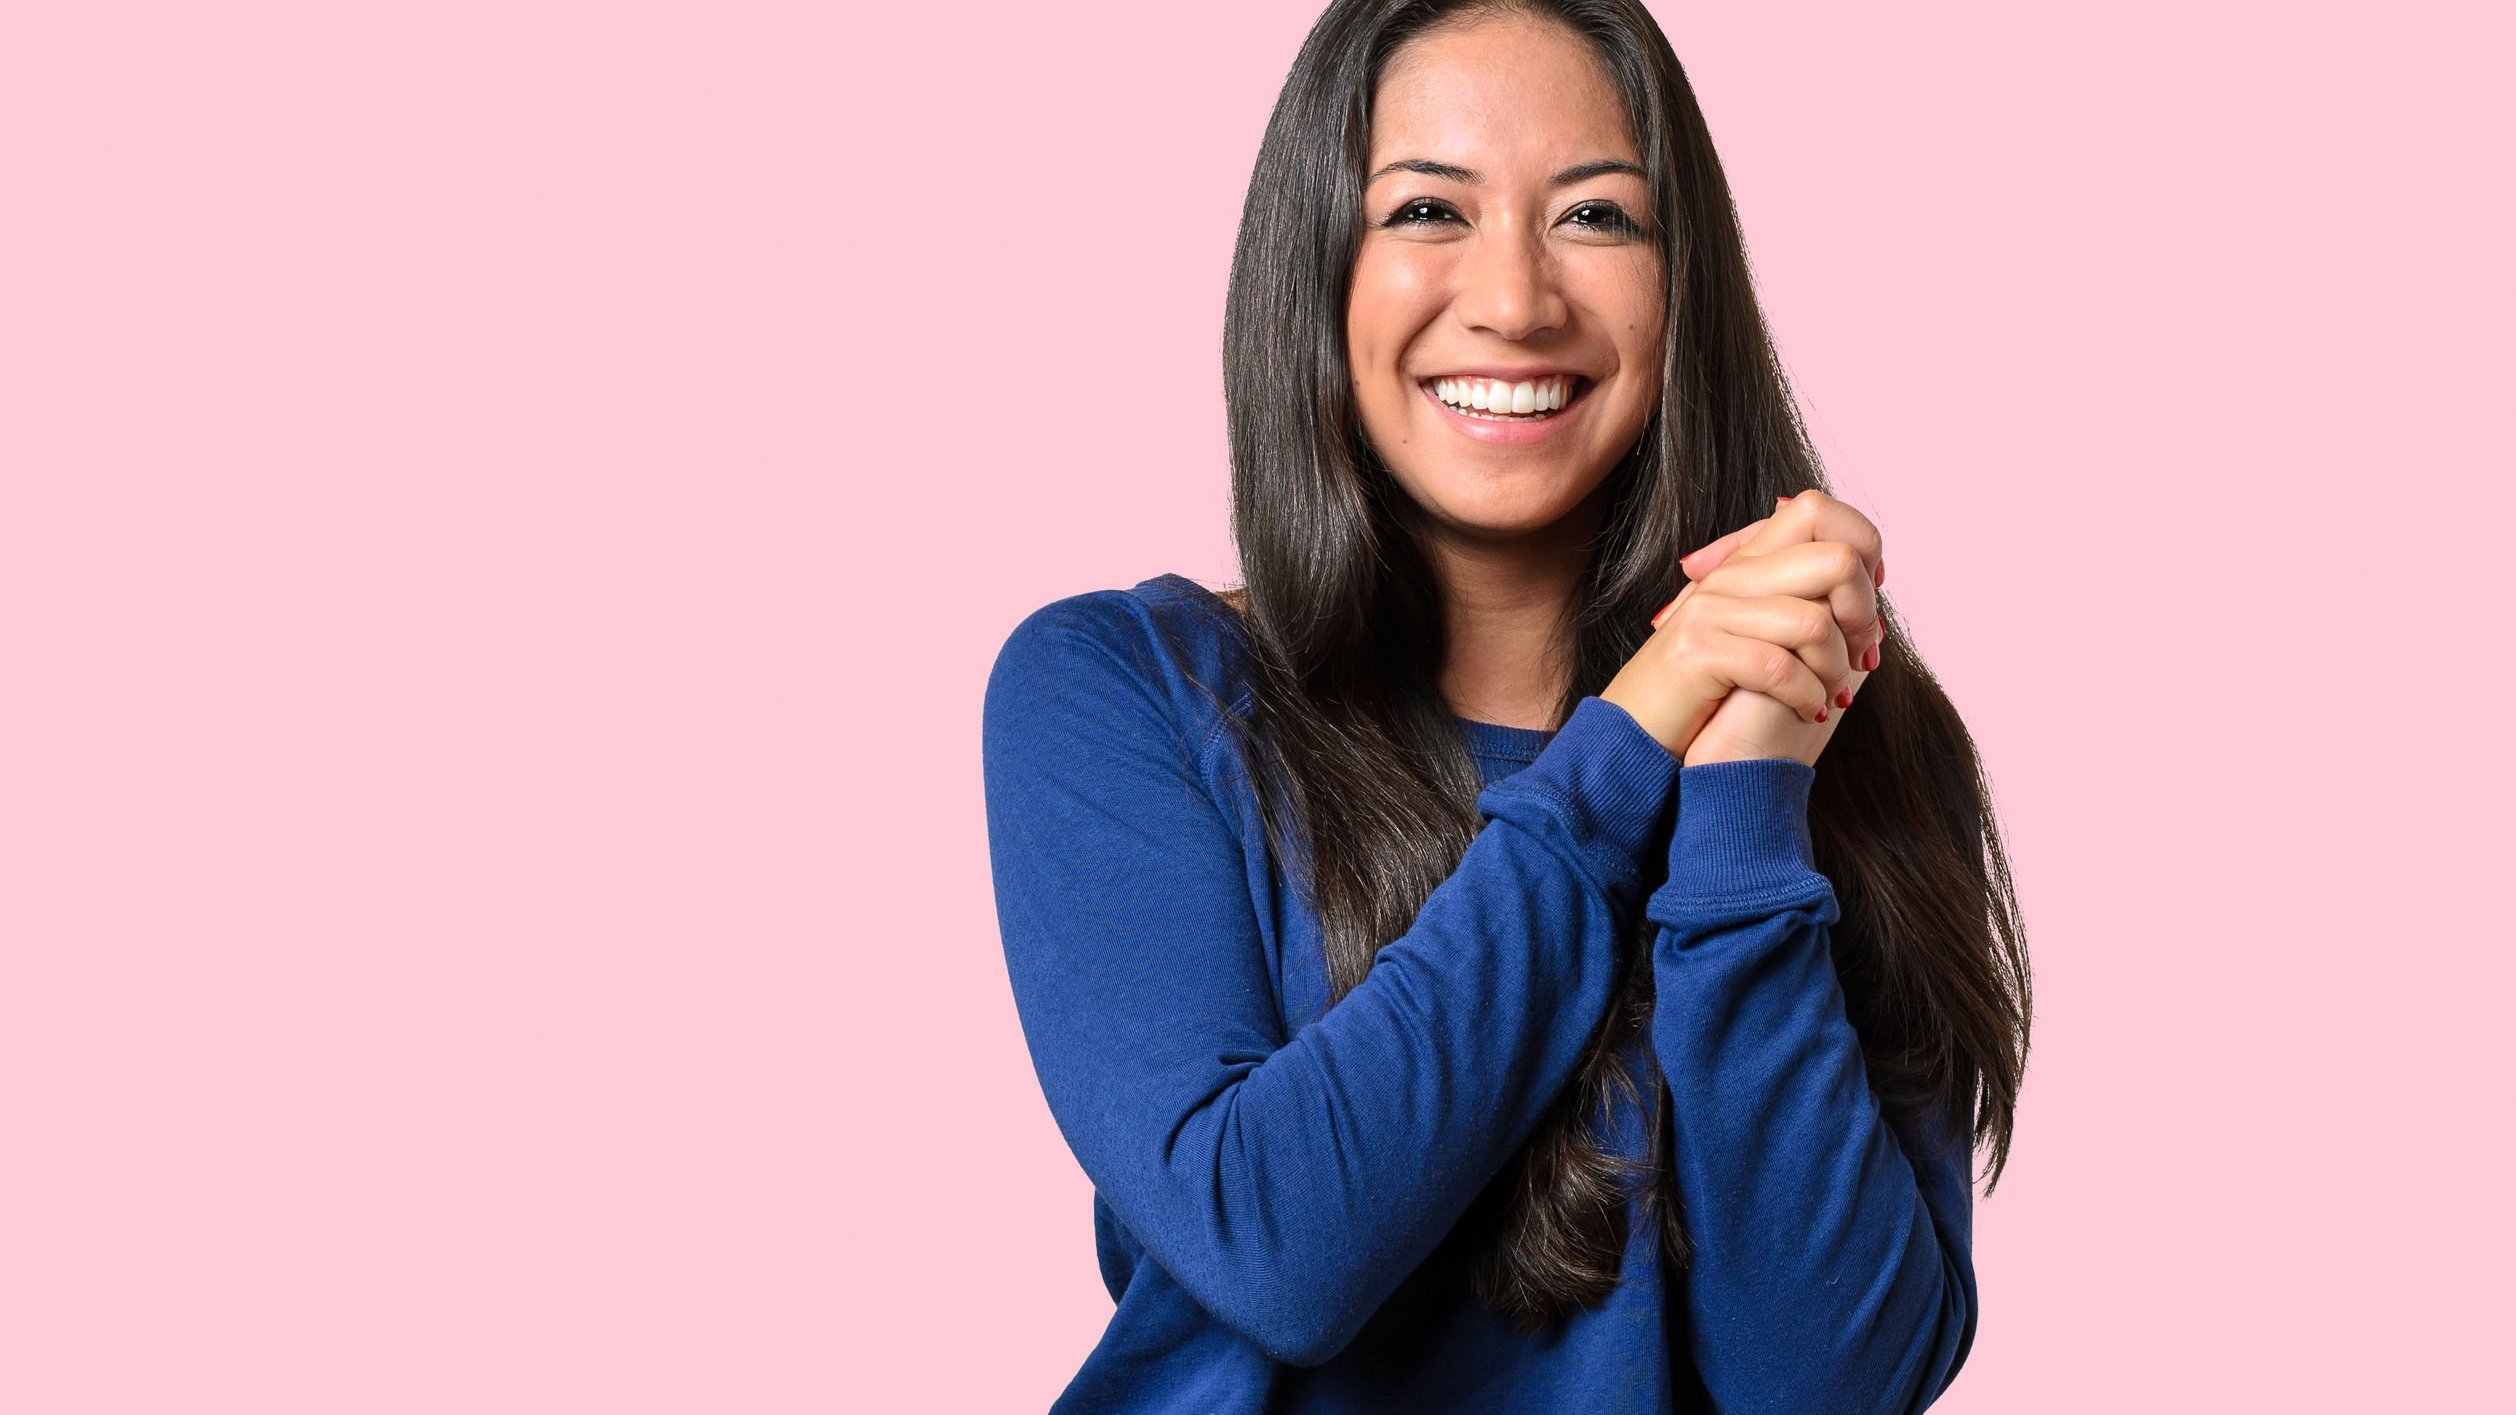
509 509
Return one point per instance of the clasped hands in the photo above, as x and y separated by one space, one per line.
1771 638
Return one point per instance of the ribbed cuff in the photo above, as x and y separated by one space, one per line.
1742 830
1612 784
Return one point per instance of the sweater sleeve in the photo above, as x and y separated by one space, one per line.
1834 1263
1288 1184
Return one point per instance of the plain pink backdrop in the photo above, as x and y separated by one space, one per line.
509 509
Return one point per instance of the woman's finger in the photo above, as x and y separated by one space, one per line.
1706 558
1828 572
1814 516
1762 666
1702 561
1804 628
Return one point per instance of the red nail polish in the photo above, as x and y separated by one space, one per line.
1878 577
1843 697
1872 664
1821 714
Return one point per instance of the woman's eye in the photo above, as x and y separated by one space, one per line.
1615 219
1604 216
1406 215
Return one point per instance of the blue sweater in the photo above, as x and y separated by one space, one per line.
1271 1172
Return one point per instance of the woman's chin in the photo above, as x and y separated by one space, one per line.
1503 509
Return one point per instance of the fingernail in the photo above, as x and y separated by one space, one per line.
1878 577
1782 501
1872 664
1663 614
1843 697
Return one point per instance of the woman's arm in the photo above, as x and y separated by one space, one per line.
1289 1184
1833 1265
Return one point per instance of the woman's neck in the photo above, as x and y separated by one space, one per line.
1506 610
1504 621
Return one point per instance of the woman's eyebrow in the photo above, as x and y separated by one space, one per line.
1580 172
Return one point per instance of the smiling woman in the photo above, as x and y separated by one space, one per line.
1542 243
1442 953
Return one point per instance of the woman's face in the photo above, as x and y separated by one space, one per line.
1487 274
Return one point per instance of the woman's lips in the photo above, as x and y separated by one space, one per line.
1512 432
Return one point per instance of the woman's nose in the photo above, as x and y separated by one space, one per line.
1507 285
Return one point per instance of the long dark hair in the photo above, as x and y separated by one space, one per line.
1352 744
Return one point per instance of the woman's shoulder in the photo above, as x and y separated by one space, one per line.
1168 641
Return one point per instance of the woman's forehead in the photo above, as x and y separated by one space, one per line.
1505 94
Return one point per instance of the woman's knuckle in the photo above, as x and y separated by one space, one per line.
1779 670
1816 622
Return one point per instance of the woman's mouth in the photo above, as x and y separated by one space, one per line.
1512 413
1501 400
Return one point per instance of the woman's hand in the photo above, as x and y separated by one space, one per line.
1776 628
1750 724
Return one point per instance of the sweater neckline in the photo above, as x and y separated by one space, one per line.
1487 739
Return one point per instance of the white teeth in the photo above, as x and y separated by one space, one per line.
1487 395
